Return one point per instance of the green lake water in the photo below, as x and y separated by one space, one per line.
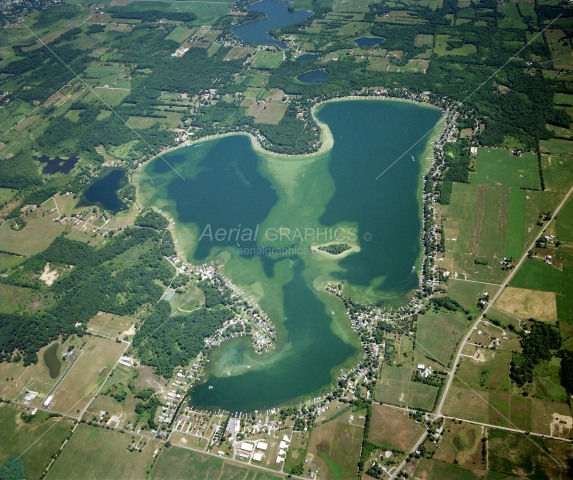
52 360
294 203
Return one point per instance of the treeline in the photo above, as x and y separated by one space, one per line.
100 280
151 15
166 342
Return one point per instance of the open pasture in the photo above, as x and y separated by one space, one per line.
391 428
178 463
461 444
94 452
110 325
335 447
396 388
496 166
35 441
95 361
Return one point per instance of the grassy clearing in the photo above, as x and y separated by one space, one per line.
515 238
180 33
19 299
178 463
480 215
99 453
396 388
110 325
565 222
266 60
556 146
36 441
493 374
335 447
393 429
461 444
468 293
96 359
438 335
33 238
441 47
495 166
436 469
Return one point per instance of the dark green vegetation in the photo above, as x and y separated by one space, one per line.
539 341
182 339
335 248
119 278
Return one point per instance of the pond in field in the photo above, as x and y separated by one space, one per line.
103 192
307 57
277 15
314 76
295 204
52 361
368 41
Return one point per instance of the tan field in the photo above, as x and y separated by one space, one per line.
524 303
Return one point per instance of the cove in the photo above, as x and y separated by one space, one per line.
226 182
277 15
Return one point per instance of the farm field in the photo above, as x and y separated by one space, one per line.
94 452
95 361
496 166
177 463
438 335
461 444
35 441
334 447
33 238
478 220
391 428
396 387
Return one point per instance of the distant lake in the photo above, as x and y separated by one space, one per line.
307 57
103 191
315 76
51 166
52 361
368 41
277 16
225 183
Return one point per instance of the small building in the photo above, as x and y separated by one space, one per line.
283 445
257 457
262 445
280 459
48 400
421 366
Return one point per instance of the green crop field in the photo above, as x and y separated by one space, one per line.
479 213
515 239
95 452
556 146
267 60
565 222
35 442
436 469
495 166
491 375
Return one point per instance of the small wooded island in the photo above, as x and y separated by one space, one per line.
335 248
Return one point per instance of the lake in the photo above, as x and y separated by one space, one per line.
103 191
51 166
314 76
297 203
307 57
277 16
368 41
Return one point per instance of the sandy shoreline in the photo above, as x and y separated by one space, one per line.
326 138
